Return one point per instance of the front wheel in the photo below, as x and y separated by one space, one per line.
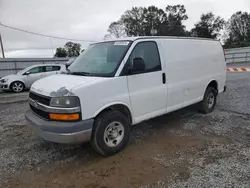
17 86
110 133
209 100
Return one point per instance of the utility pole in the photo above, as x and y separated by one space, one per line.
1 43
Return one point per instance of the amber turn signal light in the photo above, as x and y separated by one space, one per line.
64 117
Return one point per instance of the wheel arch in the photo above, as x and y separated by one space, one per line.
214 84
120 106
18 81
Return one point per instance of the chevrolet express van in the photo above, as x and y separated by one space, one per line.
116 84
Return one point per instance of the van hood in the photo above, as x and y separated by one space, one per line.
60 85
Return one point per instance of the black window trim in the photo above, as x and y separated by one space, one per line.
60 67
124 73
35 72
45 70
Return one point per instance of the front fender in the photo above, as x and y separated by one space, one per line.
112 104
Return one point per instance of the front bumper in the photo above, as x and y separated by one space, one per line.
60 132
4 86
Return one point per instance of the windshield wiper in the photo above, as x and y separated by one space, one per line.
81 73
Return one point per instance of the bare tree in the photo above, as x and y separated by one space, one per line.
115 30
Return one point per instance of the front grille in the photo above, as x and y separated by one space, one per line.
40 98
40 113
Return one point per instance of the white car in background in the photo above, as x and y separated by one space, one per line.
26 77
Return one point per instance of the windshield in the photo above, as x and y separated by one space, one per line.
101 59
23 70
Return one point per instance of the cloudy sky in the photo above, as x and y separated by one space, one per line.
84 19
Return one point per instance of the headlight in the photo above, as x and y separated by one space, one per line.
4 80
65 102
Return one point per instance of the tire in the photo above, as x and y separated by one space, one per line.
106 141
209 100
17 87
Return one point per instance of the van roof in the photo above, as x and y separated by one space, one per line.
158 37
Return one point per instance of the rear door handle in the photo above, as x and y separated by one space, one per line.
163 78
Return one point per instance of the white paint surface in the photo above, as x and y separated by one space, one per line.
190 65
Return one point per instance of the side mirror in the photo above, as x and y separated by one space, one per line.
138 65
27 73
68 63
67 66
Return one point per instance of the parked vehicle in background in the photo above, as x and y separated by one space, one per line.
26 77
116 84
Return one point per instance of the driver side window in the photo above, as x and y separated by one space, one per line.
35 70
148 51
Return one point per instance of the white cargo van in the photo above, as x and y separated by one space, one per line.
116 84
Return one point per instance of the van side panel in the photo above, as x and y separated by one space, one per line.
190 66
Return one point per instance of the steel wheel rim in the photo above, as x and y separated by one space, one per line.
114 134
210 100
17 87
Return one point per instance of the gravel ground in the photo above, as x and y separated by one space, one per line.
9 97
181 149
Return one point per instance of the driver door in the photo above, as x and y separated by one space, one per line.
33 75
147 89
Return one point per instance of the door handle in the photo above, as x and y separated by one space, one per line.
163 78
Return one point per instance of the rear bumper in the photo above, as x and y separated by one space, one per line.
60 132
